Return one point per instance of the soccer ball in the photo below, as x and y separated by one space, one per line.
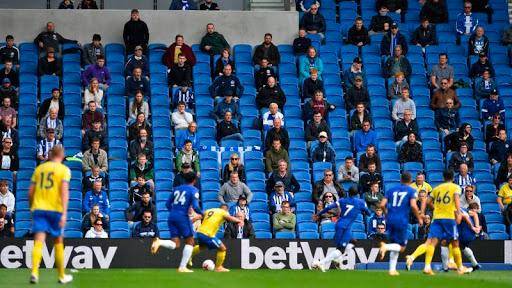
208 265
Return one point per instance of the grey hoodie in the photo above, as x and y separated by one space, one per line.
230 192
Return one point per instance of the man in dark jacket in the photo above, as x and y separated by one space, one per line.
277 132
183 5
261 75
358 34
92 50
396 64
369 177
137 60
482 6
95 133
478 42
286 177
270 93
483 64
369 156
447 119
267 50
8 72
9 52
50 38
392 39
500 148
435 11
45 106
135 212
181 73
463 156
381 22
225 82
313 22
180 179
323 152
425 34
397 6
327 184
311 85
411 150
49 64
135 33
227 130
301 43
357 94
137 82
241 230
146 228
406 126
315 126
213 42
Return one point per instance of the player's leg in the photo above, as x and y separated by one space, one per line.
187 253
169 244
409 259
398 239
57 231
451 262
445 255
469 254
37 255
221 256
429 254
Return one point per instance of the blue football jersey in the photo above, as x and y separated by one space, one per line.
399 203
350 210
182 198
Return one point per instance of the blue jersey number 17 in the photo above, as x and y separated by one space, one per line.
398 198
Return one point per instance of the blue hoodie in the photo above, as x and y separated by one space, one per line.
92 198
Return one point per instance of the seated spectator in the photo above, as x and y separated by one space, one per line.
406 126
227 81
137 82
397 6
186 95
180 74
359 116
142 167
46 145
263 73
233 189
49 64
314 127
93 93
98 71
97 230
135 32
135 212
376 220
500 148
317 104
484 85
93 176
395 89
370 176
54 102
8 91
364 137
234 165
504 198
305 5
313 22
181 118
171 55
273 155
50 39
224 59
464 178
180 176
397 63
302 43
92 50
6 111
393 36
51 121
90 218
492 106
283 174
140 123
7 198
356 69
228 130
478 42
308 62
466 22
209 5
137 60
239 207
463 156
323 151
462 136
421 185
95 157
97 132
348 173
278 196
137 106
327 185
183 5
285 220
447 119
90 116
141 145
435 11
442 95
6 228
365 158
270 115
8 72
270 93
267 50
411 151
7 131
469 197
188 155
506 39
492 130
8 156
425 34
240 230
481 65
402 104
213 42
504 171
424 230
277 132
311 85
331 215
10 52
381 22
441 71
189 134
358 34
380 234
136 192
357 94
88 4
96 196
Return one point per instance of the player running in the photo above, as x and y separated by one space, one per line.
48 196
182 198
350 208
402 199
212 220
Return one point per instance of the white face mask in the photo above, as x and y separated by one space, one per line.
143 139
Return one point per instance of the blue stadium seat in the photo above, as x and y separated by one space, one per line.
263 235
309 235
285 235
307 227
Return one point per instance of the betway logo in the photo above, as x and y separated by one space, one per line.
81 257
294 255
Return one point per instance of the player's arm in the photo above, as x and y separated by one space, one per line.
383 205
456 200
430 202
325 210
232 219
64 195
476 226
195 206
31 191
416 211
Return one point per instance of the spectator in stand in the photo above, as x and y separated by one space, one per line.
308 62
239 207
435 11
228 130
46 145
424 230
323 151
411 151
364 137
279 195
277 132
311 85
270 93
142 167
270 115
357 94
93 93
267 50
440 71
49 64
7 198
332 215
87 4
370 176
186 95
224 59
92 50
66 4
137 106
54 102
227 81
482 6
209 5
226 105
98 71
404 103
95 157
97 132
397 6
51 121
8 91
381 22
285 220
506 40
348 173
395 89
481 65
135 32
141 145
90 218
392 39
443 94
7 131
180 74
283 174
376 219
90 116
136 192
359 116
313 22
93 176
189 134
484 85
240 230
181 118
398 63
234 165
10 52
301 44
8 156
327 185
466 22
425 34
50 39
492 106
171 55
263 73
305 5
500 148
356 69
492 130
504 170
6 111
405 126
421 185
456 139
314 127
135 212
183 5
96 196
137 60
365 158
213 42
188 155
504 198
8 72
273 155
97 230
6 223
469 197
478 42
137 82
317 104
447 119
140 123
358 34
180 176
464 178
231 191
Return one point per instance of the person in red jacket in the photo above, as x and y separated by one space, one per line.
170 58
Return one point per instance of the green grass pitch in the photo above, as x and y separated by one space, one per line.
154 278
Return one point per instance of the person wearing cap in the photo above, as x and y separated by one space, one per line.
50 39
234 165
466 22
8 72
380 22
311 85
308 62
92 50
268 50
97 230
49 64
356 69
278 196
323 151
46 144
425 34
411 150
478 42
53 102
274 155
317 104
179 179
9 51
170 57
270 93
392 39
98 71
397 63
137 82
301 43
484 85
364 137
283 174
359 115
358 34
181 73
137 60
8 91
226 105
402 104
188 155
240 207
461 156
231 191
183 5
481 65
51 121
358 93
227 129
316 125
7 111
313 22
492 106
227 81
135 32
213 42
435 11
395 88
442 94
263 73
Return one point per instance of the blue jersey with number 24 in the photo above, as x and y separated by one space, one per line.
399 203
181 199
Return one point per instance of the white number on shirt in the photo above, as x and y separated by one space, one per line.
179 197
349 207
398 197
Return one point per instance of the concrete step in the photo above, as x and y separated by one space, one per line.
267 5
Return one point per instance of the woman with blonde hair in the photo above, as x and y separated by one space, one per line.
93 93
234 165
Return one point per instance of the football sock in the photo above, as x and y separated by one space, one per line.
450 258
445 256
37 255
429 254
419 251
393 258
196 250
393 247
457 256
331 256
59 259
469 253
187 253
169 244
221 255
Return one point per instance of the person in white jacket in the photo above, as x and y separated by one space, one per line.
181 118
97 230
93 93
6 196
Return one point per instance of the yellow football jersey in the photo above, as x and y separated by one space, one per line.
47 180
443 197
213 219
